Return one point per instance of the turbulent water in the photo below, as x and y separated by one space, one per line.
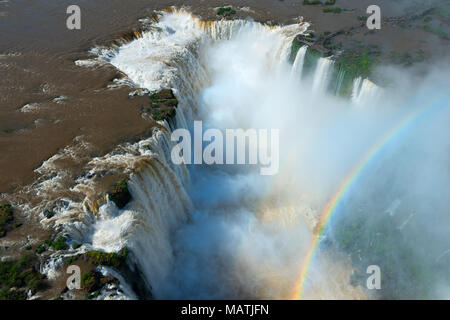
225 231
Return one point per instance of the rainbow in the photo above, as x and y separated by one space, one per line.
331 206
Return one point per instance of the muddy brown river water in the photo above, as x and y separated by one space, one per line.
47 102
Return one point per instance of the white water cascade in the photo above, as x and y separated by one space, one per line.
297 66
216 232
322 75
356 88
365 92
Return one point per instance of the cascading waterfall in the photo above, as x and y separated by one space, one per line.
172 55
297 66
356 88
322 75
368 92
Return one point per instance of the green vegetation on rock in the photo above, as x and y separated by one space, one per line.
89 280
58 244
225 11
112 259
40 249
311 2
120 194
6 218
353 64
17 277
359 63
163 105
332 10
94 281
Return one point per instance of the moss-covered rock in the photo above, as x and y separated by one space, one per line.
352 64
111 259
225 11
17 277
40 249
6 218
93 282
58 243
120 194
163 105
162 95
90 281
311 2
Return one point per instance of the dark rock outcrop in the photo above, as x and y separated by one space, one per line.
163 105
120 194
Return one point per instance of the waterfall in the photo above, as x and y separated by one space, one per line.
165 206
297 66
167 55
322 75
367 94
356 88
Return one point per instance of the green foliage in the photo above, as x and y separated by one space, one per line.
362 18
171 102
120 194
93 282
162 94
359 63
6 217
76 246
353 64
226 11
162 105
332 10
330 2
89 280
157 116
40 249
20 275
93 295
171 113
7 294
296 45
112 259
58 244
311 57
311 2
125 252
